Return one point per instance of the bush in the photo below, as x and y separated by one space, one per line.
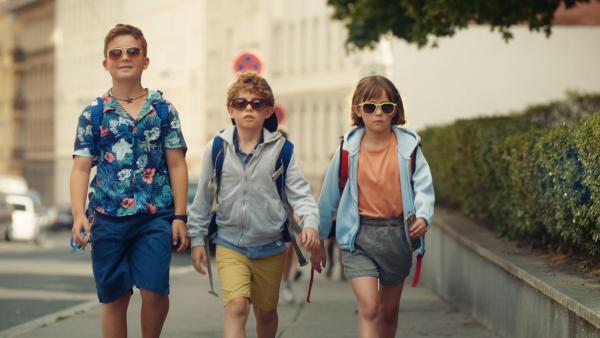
533 175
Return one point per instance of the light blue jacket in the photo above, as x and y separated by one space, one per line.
345 207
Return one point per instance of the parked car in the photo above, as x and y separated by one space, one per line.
30 219
5 217
11 184
62 219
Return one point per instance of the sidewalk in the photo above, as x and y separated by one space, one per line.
332 313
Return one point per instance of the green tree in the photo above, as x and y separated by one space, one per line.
416 21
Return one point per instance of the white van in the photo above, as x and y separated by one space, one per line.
10 184
28 218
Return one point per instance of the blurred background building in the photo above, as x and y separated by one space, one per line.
51 54
303 59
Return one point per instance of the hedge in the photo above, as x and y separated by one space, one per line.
533 175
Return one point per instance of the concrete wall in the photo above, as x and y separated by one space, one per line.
504 297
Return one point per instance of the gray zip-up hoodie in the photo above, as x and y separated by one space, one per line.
250 211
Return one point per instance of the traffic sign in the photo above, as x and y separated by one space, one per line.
247 61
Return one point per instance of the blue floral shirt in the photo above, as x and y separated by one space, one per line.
131 175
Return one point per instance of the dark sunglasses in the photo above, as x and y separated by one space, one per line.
370 107
256 104
116 53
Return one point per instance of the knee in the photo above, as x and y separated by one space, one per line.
265 316
120 304
237 307
369 311
389 314
154 299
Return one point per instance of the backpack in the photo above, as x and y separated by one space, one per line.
97 112
343 179
281 166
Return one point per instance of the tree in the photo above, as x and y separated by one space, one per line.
416 21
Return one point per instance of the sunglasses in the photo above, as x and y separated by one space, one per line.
256 104
385 107
116 53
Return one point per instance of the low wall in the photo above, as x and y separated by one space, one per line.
511 291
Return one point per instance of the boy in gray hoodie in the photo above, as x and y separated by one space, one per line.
250 214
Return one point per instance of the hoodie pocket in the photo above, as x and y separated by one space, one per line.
229 213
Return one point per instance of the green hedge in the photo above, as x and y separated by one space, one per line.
533 175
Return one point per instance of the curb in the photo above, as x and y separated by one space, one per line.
79 309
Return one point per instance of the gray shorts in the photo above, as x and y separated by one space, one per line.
380 251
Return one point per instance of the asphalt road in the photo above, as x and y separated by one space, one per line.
38 280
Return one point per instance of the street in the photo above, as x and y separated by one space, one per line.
39 280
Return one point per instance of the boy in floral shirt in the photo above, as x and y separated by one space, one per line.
137 200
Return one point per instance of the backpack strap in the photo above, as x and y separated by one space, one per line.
282 164
218 157
343 168
162 110
97 113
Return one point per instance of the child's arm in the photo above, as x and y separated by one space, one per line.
80 177
423 189
178 175
175 149
330 195
200 212
304 204
84 154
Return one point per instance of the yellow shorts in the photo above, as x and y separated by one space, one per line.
255 279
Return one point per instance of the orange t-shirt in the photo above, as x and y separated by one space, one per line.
379 192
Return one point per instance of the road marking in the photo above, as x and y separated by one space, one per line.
8 293
48 319
52 318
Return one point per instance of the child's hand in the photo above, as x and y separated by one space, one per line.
199 258
80 223
318 258
180 234
310 238
418 229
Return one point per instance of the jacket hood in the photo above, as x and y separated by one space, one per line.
227 135
407 139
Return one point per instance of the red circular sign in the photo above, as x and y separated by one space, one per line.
247 61
280 113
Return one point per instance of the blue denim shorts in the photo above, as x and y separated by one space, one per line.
131 250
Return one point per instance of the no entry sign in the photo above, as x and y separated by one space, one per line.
247 61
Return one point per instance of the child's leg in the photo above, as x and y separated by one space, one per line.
367 296
114 317
266 274
155 307
112 272
150 257
266 322
236 315
234 274
389 305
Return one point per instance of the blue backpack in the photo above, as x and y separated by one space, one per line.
281 165
97 113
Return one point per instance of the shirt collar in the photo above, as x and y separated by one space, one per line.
110 103
236 143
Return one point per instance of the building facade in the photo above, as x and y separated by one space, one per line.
175 34
304 61
33 98
10 161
